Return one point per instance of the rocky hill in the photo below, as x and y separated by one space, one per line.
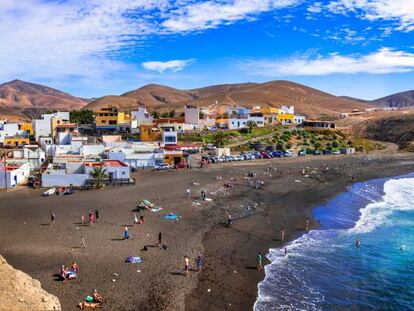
275 93
19 292
400 100
30 99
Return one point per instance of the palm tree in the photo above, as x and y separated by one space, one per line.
99 175
251 124
219 138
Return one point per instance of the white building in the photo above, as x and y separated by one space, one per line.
16 173
257 118
299 119
141 116
9 130
77 174
287 109
34 155
234 123
43 127
138 155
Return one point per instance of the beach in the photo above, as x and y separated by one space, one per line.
292 187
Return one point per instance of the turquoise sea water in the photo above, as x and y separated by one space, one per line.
324 270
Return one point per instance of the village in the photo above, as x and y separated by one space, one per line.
54 151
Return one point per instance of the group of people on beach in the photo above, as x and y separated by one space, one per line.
199 262
67 273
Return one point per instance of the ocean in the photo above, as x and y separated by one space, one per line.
324 270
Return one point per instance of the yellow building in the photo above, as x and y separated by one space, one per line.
27 126
149 133
16 141
110 118
270 110
286 119
173 157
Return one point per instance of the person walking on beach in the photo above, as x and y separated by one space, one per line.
282 234
229 220
203 195
199 262
135 219
52 218
307 224
186 264
126 233
83 219
188 192
259 261
82 242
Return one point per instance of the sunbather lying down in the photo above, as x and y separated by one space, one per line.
89 305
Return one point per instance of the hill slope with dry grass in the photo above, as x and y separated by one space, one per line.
275 93
19 98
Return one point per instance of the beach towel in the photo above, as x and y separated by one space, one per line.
133 259
71 275
171 217
156 209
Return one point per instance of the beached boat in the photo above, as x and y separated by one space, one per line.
60 190
69 191
49 192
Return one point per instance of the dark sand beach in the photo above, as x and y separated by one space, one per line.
229 278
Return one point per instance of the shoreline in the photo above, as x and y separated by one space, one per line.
30 244
244 289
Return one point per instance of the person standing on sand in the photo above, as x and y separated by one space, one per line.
186 264
126 233
199 262
159 239
83 219
307 224
229 220
259 261
82 242
52 218
282 234
188 192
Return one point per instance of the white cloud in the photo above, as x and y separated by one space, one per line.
173 65
73 40
210 14
401 11
315 7
383 61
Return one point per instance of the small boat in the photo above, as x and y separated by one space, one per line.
69 191
60 190
49 192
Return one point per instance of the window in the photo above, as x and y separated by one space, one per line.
103 121
112 122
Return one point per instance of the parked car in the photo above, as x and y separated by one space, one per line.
336 152
288 153
277 154
327 152
302 153
265 155
317 152
162 167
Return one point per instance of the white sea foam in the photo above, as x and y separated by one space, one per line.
398 195
286 276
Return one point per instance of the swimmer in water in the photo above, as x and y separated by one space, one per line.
358 242
402 248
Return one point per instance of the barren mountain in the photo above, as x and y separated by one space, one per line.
400 100
32 99
275 93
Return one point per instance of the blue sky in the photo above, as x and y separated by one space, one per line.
361 48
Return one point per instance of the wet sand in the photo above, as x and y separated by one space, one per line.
30 243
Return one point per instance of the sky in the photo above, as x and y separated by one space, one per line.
359 48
